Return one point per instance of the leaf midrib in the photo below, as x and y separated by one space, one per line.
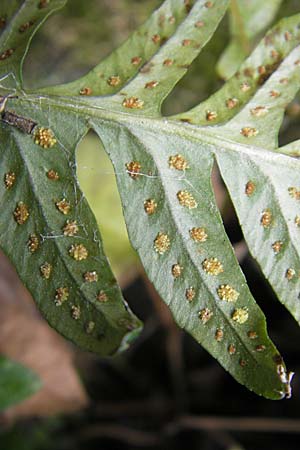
209 135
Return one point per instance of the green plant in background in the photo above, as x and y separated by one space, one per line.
163 168
105 203
16 383
247 21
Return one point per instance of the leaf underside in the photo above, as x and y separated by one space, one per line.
163 169
79 297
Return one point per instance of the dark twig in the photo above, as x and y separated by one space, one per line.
253 424
121 433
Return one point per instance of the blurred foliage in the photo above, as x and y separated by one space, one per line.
16 383
97 180
31 437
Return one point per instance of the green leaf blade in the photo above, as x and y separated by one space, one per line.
170 211
152 85
206 317
274 245
122 64
260 120
161 71
292 149
251 76
79 296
